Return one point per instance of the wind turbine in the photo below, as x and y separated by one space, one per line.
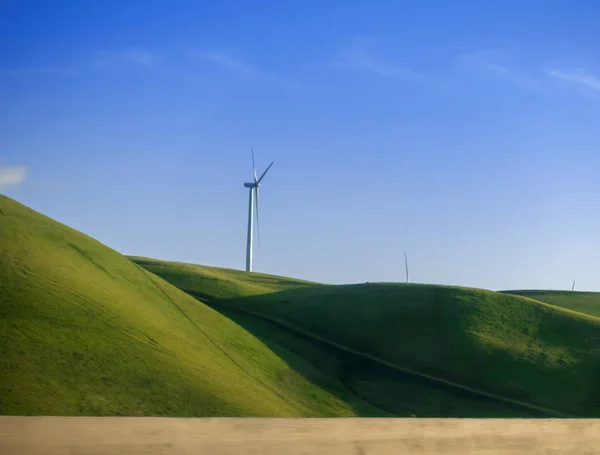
253 199
406 265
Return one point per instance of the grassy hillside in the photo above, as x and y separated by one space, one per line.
582 302
393 389
505 345
214 283
85 331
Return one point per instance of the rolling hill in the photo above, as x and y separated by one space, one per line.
214 283
85 331
582 302
508 346
428 350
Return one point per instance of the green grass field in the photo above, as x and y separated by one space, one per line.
213 283
505 345
498 345
582 302
87 331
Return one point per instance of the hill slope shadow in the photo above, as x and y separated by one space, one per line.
359 377
437 343
505 348
84 331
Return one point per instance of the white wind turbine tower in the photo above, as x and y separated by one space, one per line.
253 198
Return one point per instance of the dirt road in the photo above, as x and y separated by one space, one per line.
224 436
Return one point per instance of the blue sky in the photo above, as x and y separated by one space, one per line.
465 135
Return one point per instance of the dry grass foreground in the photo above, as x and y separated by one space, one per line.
352 436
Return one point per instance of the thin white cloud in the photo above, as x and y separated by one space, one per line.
362 60
576 77
498 62
100 59
228 62
132 56
48 70
12 176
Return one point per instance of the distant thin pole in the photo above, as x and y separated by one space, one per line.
573 288
406 265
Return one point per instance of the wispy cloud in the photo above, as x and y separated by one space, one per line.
498 62
12 176
41 70
227 61
576 77
133 56
360 59
103 59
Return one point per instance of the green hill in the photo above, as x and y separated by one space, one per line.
446 340
504 345
427 350
214 283
85 331
582 302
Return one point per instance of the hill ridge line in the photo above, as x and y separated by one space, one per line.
82 340
578 307
217 345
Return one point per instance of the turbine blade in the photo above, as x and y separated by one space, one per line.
264 173
253 165
257 217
